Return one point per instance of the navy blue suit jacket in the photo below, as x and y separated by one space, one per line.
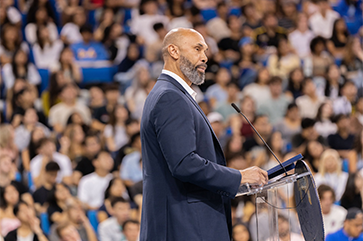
187 188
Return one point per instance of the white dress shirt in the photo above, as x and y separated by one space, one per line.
181 81
323 26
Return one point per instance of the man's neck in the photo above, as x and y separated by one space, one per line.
344 134
69 102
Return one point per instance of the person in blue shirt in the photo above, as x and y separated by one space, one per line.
352 229
88 49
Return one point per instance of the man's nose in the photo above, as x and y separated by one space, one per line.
204 58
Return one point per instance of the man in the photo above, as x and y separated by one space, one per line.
85 166
308 133
352 229
187 188
109 229
131 230
269 34
76 216
333 215
41 194
322 21
276 105
59 113
91 185
88 49
47 153
342 140
284 230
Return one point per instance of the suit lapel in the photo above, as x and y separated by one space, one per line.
165 77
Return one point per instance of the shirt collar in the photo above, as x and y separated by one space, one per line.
181 81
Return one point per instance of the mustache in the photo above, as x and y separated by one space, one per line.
201 65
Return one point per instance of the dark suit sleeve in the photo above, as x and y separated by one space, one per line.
174 124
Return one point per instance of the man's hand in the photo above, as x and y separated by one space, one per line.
254 176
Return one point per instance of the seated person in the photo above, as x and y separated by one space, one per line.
307 134
85 166
92 185
77 217
57 203
131 230
60 113
342 140
41 194
67 231
333 215
131 171
7 178
29 228
110 229
88 49
116 188
47 153
352 228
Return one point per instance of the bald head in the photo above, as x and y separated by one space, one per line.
184 53
178 37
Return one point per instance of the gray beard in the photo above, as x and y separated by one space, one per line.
190 71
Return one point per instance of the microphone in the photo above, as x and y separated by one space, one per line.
264 142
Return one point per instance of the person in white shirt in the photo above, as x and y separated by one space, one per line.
330 172
323 20
91 185
310 102
333 215
70 32
301 37
20 68
41 18
59 113
142 25
343 104
47 153
46 51
109 229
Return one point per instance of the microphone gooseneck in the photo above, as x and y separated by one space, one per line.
264 142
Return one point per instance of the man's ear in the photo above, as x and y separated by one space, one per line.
174 51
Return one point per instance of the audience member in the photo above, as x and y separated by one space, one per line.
338 39
240 232
57 201
70 32
333 215
301 37
9 197
59 113
353 61
92 185
355 156
110 229
275 107
88 49
290 125
131 230
309 102
330 173
352 196
130 170
343 104
41 194
342 140
323 20
324 125
29 228
352 229
115 189
47 153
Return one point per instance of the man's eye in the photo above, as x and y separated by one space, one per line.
197 49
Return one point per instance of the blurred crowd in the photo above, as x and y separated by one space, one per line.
70 153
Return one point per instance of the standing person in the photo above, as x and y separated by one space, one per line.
185 177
